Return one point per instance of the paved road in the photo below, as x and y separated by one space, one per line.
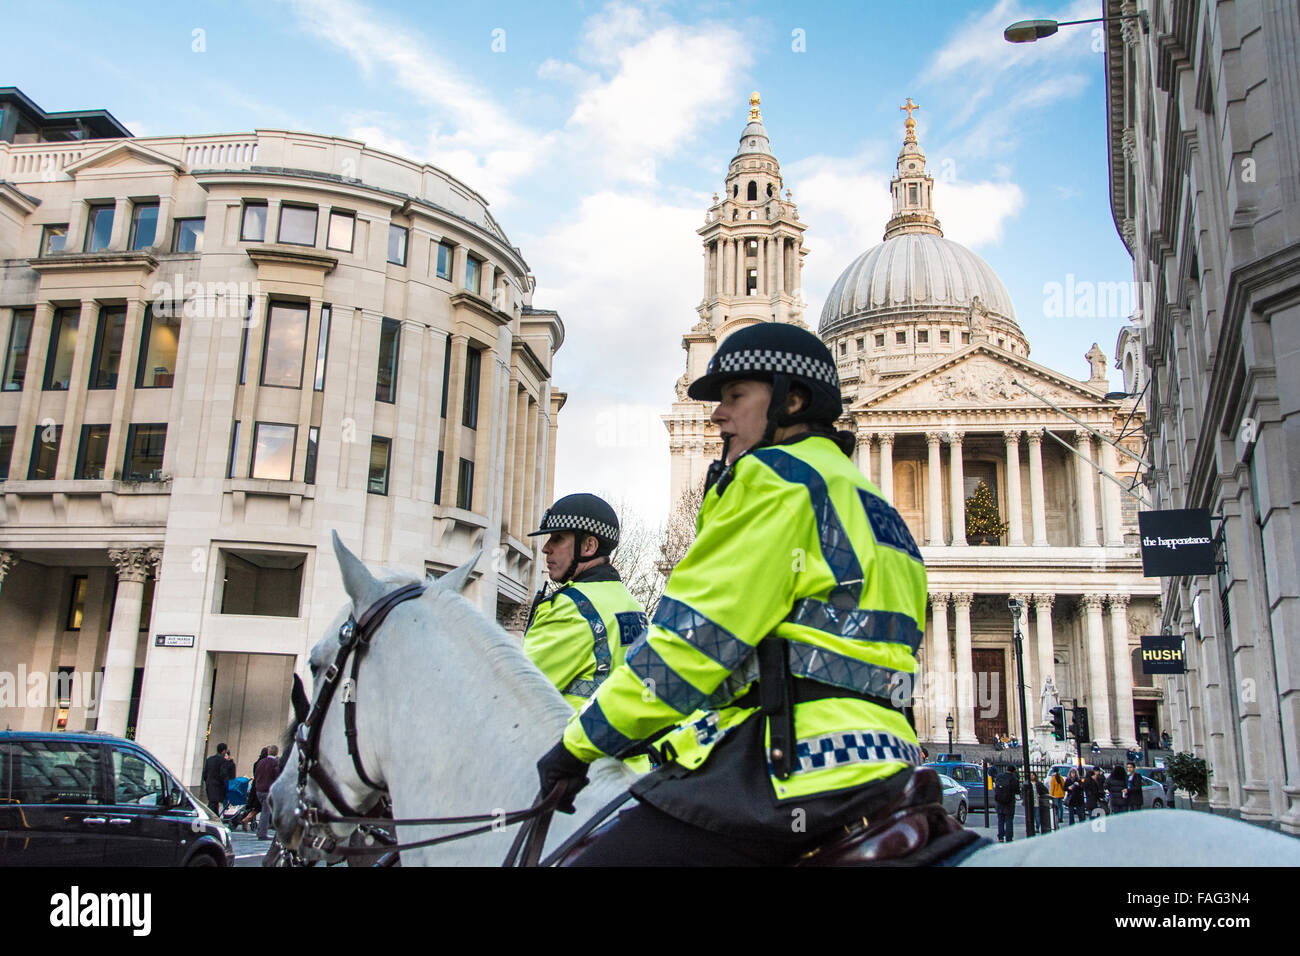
249 850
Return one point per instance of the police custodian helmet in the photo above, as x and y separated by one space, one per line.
781 354
585 514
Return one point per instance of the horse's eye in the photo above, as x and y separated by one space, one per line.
313 668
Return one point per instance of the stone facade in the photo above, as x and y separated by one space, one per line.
241 344
1204 132
931 362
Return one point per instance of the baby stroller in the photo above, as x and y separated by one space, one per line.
241 802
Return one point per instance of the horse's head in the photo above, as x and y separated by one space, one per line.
344 792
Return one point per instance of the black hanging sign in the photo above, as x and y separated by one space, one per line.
1176 542
1163 654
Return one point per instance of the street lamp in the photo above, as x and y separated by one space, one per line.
1016 606
1027 31
948 724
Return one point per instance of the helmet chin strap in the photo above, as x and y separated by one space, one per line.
718 466
776 408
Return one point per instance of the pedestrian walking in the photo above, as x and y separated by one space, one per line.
1134 789
1042 803
263 777
1117 789
218 771
1004 798
1056 784
1074 796
1093 800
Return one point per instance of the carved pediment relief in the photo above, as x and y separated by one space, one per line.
122 156
978 380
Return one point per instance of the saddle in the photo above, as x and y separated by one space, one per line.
914 830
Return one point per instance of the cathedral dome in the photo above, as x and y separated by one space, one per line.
916 273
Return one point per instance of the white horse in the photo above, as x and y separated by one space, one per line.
452 717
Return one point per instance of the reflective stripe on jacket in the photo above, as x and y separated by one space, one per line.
799 547
581 632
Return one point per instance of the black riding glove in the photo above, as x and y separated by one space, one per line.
559 766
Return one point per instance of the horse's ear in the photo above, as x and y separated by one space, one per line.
298 697
455 580
360 584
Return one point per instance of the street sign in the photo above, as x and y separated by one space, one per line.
173 640
1163 654
1176 542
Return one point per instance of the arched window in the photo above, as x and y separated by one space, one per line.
769 190
752 193
735 191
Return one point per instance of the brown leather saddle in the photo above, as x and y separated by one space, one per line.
914 830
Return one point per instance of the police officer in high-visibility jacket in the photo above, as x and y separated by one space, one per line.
784 646
578 633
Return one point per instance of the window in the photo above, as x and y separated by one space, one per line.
63 343
144 225
379 450
273 451
465 491
45 452
53 771
54 239
446 374
107 356
900 338
144 452
309 464
751 282
298 225
386 383
263 583
286 341
469 410
76 604
913 198
322 347
99 228
253 226
234 450
7 449
473 269
243 342
923 336
751 247
20 341
860 345
342 227
965 338
187 235
397 236
136 783
844 348
751 193
92 452
446 254
880 340
437 481
159 343
944 337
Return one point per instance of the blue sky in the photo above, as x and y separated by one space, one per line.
598 132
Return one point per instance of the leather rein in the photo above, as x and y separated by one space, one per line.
354 638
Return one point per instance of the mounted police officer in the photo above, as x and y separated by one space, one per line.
579 632
784 645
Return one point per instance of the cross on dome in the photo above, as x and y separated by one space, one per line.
910 123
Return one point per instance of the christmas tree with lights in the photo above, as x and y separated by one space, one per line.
983 523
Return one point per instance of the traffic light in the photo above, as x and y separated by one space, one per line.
1058 722
1081 724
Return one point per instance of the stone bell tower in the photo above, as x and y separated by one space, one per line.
753 272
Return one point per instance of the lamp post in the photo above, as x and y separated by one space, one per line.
1015 606
1027 31
948 724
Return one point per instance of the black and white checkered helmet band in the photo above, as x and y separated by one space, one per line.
776 362
584 523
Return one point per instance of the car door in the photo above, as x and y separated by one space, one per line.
54 812
142 829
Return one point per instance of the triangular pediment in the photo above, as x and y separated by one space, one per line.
121 156
979 377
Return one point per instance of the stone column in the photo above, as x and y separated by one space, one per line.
1087 502
862 452
965 704
1098 691
958 491
1016 534
1046 643
780 264
939 676
887 465
740 265
1037 497
451 454
1122 661
133 567
1112 532
935 504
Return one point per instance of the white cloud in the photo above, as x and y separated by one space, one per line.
979 48
975 214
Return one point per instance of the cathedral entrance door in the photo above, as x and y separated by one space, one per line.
989 667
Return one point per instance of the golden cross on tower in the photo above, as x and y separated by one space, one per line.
754 115
910 123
